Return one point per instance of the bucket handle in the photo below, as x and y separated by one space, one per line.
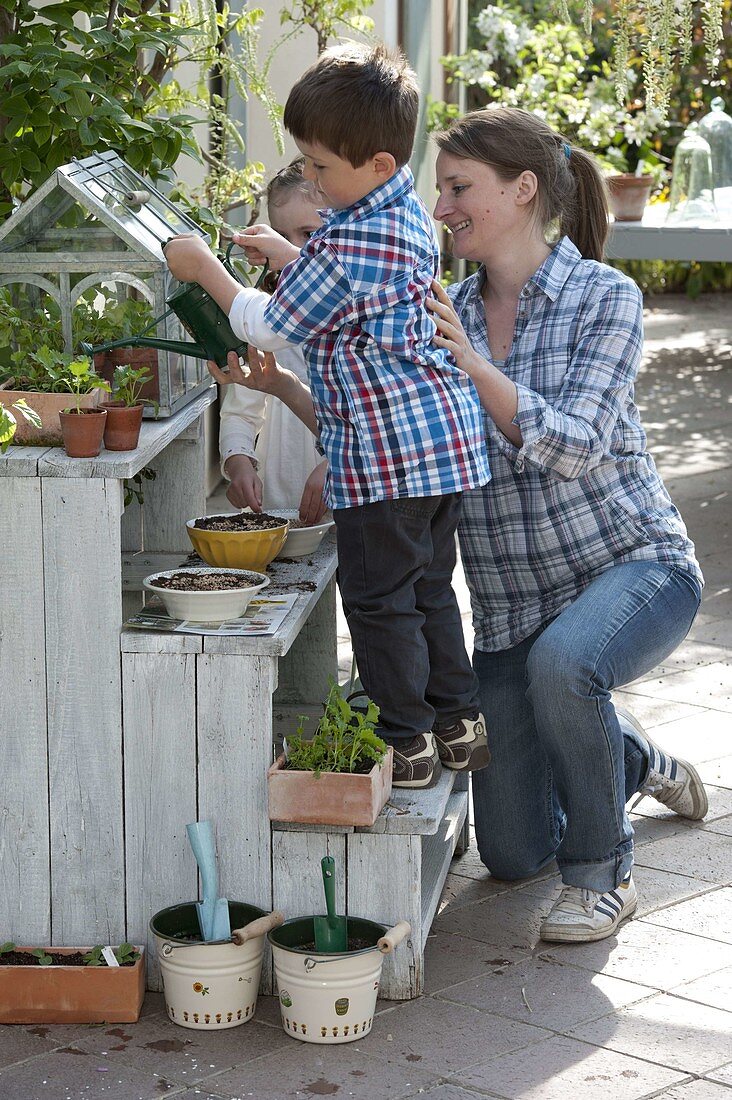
393 937
259 927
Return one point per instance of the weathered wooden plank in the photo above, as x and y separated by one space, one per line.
310 666
384 884
159 698
297 878
137 566
234 752
21 461
176 495
144 641
418 811
25 897
83 604
437 851
155 436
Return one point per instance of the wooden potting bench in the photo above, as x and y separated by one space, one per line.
113 740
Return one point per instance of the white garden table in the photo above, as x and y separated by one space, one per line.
652 239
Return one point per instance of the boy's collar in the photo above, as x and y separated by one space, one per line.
396 186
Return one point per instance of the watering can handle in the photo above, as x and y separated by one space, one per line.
259 927
232 270
394 937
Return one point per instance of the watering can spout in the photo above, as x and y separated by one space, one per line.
181 347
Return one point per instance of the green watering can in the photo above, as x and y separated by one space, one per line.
200 316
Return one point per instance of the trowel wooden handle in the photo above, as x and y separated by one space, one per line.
259 927
394 937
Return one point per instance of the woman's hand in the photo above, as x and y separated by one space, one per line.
245 490
264 373
312 505
451 334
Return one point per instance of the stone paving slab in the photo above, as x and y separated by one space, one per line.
562 1067
695 1090
709 915
664 1031
713 989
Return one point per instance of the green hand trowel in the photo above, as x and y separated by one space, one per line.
331 932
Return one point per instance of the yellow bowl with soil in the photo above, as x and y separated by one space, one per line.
237 549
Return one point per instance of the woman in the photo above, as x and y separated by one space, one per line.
581 574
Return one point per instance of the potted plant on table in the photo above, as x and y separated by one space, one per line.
342 776
74 985
82 428
124 411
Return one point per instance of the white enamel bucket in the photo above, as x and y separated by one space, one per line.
213 985
330 998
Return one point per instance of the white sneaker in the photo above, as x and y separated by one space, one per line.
581 916
670 780
675 783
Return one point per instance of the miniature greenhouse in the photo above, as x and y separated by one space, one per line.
85 252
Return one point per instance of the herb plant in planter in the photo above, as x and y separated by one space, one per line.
124 411
74 985
342 776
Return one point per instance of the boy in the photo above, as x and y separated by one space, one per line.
400 425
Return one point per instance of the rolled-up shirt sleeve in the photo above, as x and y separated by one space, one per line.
246 318
570 436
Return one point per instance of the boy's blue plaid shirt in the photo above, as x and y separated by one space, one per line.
397 418
582 493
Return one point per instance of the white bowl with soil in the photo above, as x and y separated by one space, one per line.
204 595
302 540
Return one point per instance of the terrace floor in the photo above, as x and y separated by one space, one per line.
647 1013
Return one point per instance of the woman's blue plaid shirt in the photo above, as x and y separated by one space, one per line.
582 493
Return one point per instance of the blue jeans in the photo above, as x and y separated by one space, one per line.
564 764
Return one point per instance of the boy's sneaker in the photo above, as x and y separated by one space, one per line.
416 763
670 780
463 746
581 916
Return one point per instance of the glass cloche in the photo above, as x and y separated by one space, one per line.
716 128
692 191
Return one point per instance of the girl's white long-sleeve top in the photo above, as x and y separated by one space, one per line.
263 428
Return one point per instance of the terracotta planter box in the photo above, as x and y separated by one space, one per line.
48 406
71 994
333 798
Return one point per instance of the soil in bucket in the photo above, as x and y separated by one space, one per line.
327 998
207 986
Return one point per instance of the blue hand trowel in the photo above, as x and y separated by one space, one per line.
213 911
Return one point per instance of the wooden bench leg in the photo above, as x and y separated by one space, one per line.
385 885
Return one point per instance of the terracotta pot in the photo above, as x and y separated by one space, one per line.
628 195
106 361
48 406
83 432
333 798
122 427
71 994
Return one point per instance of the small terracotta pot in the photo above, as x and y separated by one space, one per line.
122 429
71 994
83 432
628 195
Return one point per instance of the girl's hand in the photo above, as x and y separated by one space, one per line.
245 490
312 505
262 243
450 332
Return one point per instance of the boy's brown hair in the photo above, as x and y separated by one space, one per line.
356 101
